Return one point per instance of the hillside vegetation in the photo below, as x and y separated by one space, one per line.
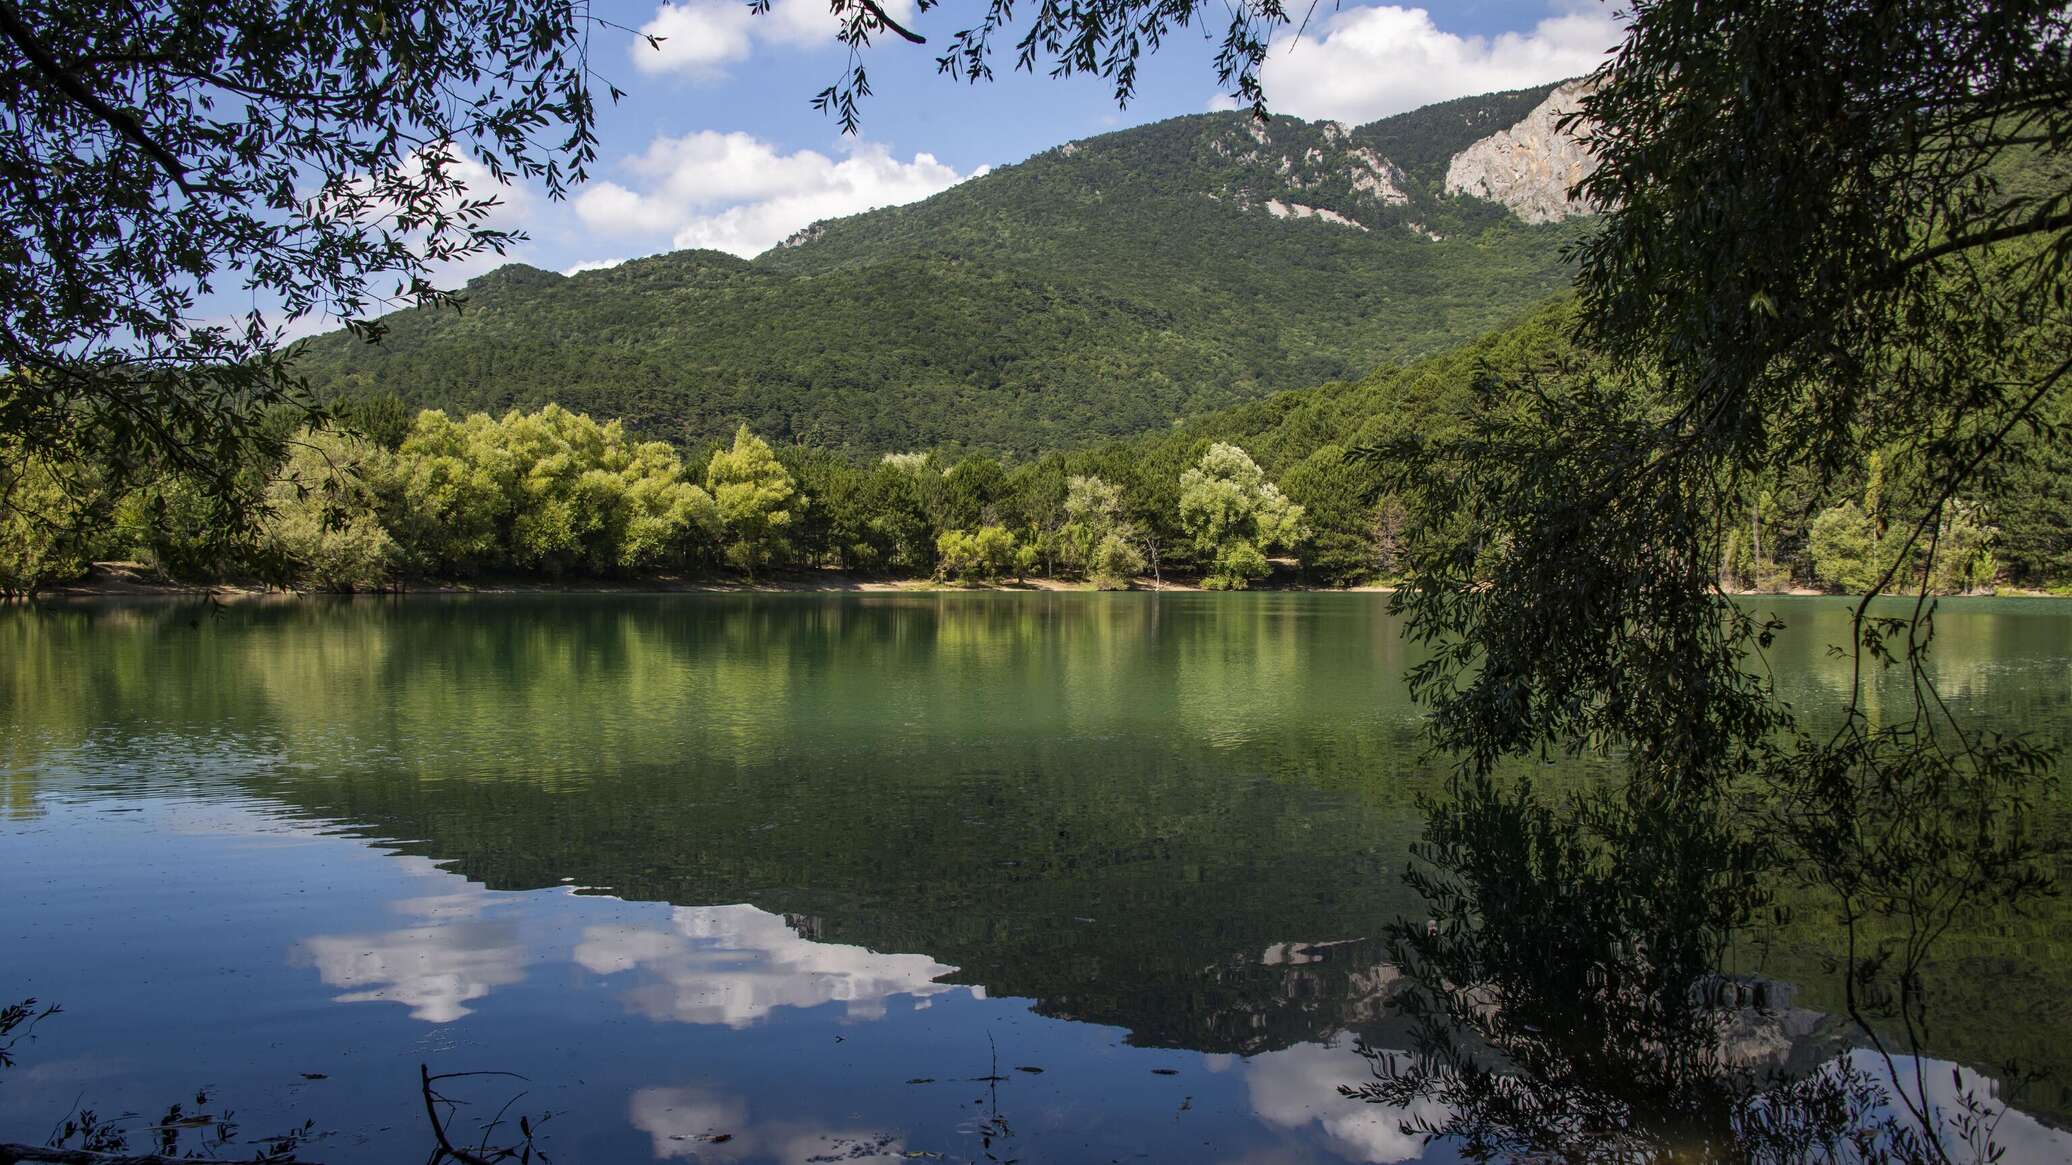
1098 290
557 494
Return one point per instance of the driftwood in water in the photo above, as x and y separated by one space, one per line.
447 1151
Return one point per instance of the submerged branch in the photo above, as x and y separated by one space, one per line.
42 1155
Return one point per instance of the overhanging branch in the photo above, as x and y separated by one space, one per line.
120 121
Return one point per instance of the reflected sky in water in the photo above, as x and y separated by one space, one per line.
232 946
759 879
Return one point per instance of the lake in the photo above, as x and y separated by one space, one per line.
789 877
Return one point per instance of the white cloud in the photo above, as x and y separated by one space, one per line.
688 1122
591 265
734 965
1370 62
435 971
701 1124
697 38
701 37
613 209
2021 1136
1298 1086
436 968
733 192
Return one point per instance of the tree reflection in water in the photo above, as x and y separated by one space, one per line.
1567 1004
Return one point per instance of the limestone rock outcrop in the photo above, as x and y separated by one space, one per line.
1532 166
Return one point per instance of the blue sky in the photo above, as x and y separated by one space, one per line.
716 143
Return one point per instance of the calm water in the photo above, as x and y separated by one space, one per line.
793 870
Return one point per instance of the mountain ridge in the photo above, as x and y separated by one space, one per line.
1109 286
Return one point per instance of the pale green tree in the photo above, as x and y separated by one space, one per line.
660 514
552 490
910 463
996 550
446 497
956 555
1096 540
322 524
1115 561
43 525
755 499
1843 542
1235 516
565 494
987 555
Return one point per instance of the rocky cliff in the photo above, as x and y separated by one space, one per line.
1532 166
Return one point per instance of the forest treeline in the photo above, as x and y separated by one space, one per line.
553 494
385 497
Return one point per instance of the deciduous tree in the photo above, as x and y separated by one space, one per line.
1234 515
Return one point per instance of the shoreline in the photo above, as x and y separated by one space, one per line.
129 580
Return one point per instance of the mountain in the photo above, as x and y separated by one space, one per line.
1107 287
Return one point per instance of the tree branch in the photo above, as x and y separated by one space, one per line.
2001 234
878 14
431 1112
120 121
42 1155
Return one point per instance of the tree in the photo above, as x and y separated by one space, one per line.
45 533
1344 543
1234 515
1115 561
660 516
1832 228
560 515
897 530
1844 543
447 501
755 501
956 554
969 493
159 152
1096 540
380 417
322 523
984 556
552 491
996 552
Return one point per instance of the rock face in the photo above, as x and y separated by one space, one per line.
1303 170
1532 166
1279 209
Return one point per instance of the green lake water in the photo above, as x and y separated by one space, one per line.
778 877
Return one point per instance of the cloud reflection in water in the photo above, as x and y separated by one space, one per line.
734 965
436 967
705 1125
1298 1086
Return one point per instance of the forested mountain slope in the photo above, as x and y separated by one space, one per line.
1100 289
1300 438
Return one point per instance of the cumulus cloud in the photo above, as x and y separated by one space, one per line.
701 1124
733 192
1298 1087
701 37
734 965
435 971
591 265
436 967
1372 61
